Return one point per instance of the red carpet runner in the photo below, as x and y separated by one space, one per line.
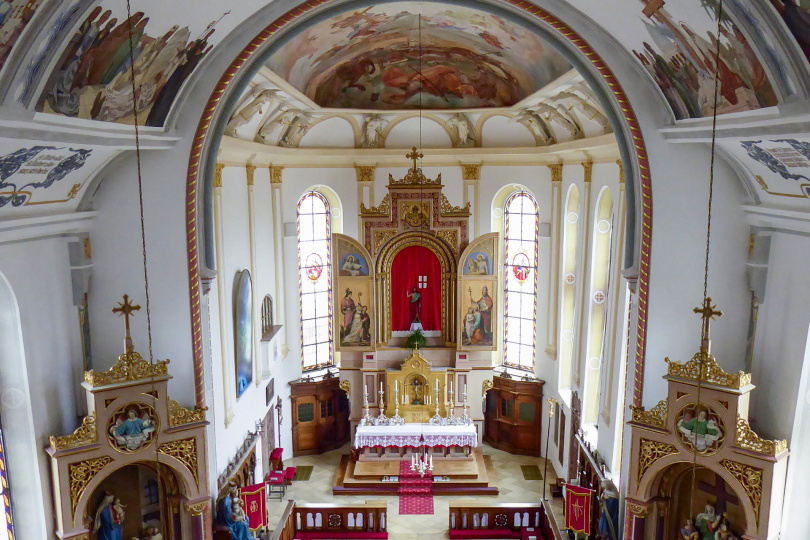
415 493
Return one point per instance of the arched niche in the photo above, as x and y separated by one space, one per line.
428 132
331 132
383 267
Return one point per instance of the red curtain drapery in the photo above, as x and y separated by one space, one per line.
411 264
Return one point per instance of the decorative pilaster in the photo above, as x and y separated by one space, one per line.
278 253
250 170
582 249
471 173
219 246
554 274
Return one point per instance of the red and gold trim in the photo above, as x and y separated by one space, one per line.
538 13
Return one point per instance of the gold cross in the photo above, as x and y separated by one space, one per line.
707 313
126 309
414 155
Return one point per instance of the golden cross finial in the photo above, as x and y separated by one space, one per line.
414 155
707 313
126 308
551 402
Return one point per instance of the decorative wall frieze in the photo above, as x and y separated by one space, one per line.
130 367
750 478
179 415
651 451
711 372
365 173
81 473
655 417
748 440
84 434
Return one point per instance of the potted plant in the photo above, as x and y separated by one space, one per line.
416 340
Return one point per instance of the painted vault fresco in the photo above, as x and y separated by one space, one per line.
14 17
679 56
796 14
370 59
781 167
93 79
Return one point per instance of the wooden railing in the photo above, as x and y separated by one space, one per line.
551 531
512 517
335 520
285 530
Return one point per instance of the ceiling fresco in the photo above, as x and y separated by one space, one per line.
14 17
42 177
796 14
92 80
372 59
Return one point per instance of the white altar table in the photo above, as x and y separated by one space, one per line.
409 435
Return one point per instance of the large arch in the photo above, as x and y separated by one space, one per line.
223 99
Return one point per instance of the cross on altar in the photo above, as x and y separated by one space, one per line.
414 155
126 308
707 313
719 491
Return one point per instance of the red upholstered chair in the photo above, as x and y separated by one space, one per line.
275 459
289 472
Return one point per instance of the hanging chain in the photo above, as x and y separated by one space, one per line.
704 353
143 227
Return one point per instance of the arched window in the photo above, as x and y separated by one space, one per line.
600 282
568 289
315 280
521 221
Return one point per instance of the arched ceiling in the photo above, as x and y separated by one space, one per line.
417 54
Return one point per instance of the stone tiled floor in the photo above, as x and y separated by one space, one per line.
318 489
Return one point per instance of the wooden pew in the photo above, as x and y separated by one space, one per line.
305 521
481 519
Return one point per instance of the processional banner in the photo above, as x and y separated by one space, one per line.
254 504
578 509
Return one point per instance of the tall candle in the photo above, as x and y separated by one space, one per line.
437 384
451 386
396 385
365 389
381 386
465 388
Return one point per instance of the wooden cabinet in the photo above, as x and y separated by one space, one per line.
513 416
320 416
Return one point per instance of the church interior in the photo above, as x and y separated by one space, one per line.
279 270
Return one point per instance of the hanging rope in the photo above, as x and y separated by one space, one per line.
143 227
704 353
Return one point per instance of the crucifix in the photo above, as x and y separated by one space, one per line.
719 491
414 155
126 308
707 313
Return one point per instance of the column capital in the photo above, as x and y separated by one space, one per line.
275 174
250 169
588 166
621 170
365 173
218 174
471 171
556 172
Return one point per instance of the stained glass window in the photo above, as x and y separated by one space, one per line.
315 280
520 266
6 529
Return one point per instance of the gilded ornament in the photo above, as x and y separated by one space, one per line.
381 237
196 509
621 170
130 367
651 451
700 429
711 373
132 427
655 417
748 440
448 236
179 415
471 171
81 474
751 480
218 174
382 209
249 171
365 173
448 208
415 177
414 215
275 174
638 510
346 386
588 166
84 434
486 386
556 172
184 451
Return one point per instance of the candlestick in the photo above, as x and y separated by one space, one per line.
381 386
437 384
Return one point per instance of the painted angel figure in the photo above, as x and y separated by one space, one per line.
700 430
132 432
353 268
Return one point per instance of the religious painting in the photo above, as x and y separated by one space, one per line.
679 56
478 321
480 261
354 320
353 264
243 331
93 78
40 173
796 17
353 295
14 17
704 505
700 429
417 54
132 427
779 168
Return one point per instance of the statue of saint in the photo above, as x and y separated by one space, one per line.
109 522
700 430
688 531
707 523
230 514
132 432
415 305
723 533
152 533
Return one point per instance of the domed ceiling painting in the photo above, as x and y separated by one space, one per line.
372 59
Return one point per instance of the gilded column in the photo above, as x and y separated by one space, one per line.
219 241
278 253
554 259
585 250
471 173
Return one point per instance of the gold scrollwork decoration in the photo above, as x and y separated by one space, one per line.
471 171
448 208
711 373
486 386
365 173
130 367
655 417
381 237
184 451
451 237
750 479
179 415
651 451
414 177
84 434
80 474
638 510
346 386
749 440
383 208
196 509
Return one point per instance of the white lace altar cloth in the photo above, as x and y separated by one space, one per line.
410 434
